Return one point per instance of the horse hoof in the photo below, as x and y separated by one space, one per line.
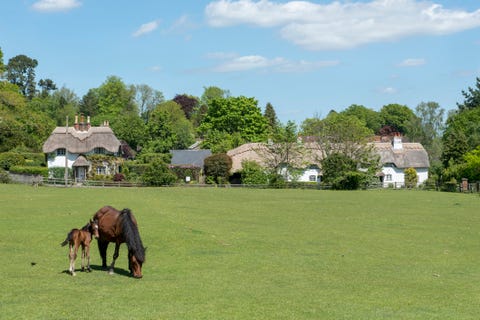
110 272
74 274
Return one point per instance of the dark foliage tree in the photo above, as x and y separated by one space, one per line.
217 167
187 103
21 72
46 86
271 116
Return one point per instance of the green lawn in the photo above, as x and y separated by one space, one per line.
217 253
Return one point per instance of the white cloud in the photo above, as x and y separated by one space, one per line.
55 5
412 62
230 62
388 90
146 28
343 25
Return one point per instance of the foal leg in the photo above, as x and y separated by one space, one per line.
115 256
73 256
87 257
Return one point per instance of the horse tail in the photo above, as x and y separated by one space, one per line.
67 239
132 236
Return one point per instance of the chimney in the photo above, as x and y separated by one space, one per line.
397 142
75 125
88 123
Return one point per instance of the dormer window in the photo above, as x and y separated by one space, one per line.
61 151
99 151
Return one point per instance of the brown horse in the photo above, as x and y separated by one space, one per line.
119 227
81 237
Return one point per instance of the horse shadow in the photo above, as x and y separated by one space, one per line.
119 271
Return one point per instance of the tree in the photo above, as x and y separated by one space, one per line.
235 114
283 152
21 72
208 95
47 86
312 126
89 103
115 98
397 116
427 128
371 118
2 65
472 97
168 128
187 103
271 116
147 99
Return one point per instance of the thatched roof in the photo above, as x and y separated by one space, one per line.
77 141
410 155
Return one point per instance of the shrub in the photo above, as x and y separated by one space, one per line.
349 181
253 174
411 178
4 177
10 159
118 177
217 167
30 170
157 173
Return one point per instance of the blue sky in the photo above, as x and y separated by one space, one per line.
304 57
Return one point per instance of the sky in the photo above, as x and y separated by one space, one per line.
306 58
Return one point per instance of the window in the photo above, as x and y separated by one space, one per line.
99 151
312 178
388 177
101 170
61 152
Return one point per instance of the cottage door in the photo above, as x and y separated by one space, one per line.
81 174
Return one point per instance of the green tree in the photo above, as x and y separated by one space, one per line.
47 86
2 65
372 119
115 98
397 116
21 72
284 152
168 128
147 99
89 103
235 114
472 97
271 116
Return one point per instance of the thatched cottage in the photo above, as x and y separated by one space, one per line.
73 146
395 157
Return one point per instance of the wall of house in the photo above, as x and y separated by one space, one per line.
59 161
396 176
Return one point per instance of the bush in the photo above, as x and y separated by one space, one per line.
118 177
217 167
30 170
253 174
10 159
411 178
352 180
158 174
4 177
59 173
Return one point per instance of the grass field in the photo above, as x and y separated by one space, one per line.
247 254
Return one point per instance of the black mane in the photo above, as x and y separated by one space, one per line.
132 236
